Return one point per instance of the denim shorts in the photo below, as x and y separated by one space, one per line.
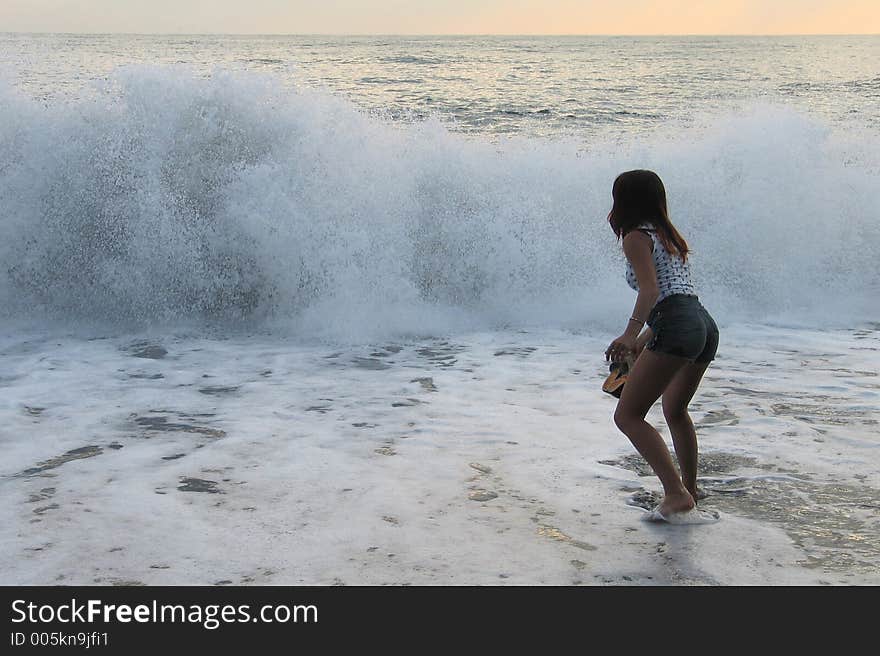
681 326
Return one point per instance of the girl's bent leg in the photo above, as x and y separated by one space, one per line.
675 408
650 376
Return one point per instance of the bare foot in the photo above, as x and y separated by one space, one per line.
676 503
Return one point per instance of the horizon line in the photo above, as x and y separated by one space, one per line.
438 34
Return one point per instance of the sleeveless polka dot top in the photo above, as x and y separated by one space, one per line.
673 274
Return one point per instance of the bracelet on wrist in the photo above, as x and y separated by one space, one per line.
638 321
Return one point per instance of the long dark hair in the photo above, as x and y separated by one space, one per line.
639 197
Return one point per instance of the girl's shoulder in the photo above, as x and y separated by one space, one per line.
635 239
646 229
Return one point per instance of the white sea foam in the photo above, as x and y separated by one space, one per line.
356 464
164 196
693 517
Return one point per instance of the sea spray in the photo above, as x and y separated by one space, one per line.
166 196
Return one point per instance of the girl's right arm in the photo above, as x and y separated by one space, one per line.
637 248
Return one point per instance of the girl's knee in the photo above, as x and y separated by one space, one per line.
675 415
623 419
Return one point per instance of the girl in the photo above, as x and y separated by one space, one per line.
676 347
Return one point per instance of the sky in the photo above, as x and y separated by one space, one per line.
443 16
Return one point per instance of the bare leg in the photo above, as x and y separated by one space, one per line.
647 381
676 398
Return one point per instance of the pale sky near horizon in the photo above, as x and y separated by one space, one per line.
443 16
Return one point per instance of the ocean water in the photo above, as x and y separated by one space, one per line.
255 287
